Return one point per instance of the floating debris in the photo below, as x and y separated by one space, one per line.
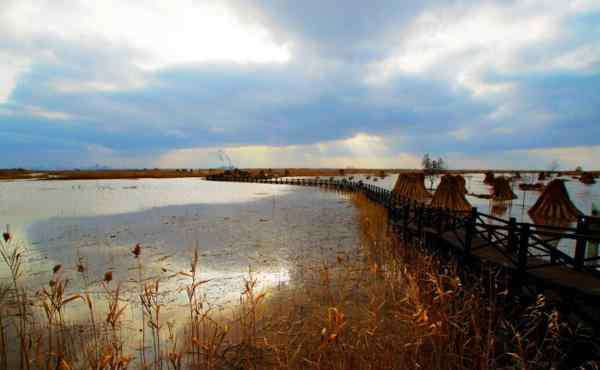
137 250
502 191
108 276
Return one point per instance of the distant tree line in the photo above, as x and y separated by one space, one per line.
431 167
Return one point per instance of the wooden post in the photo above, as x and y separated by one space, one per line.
420 210
470 231
523 246
449 221
581 243
405 217
512 238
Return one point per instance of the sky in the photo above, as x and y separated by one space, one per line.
315 83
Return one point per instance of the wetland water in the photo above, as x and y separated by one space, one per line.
270 229
277 233
273 231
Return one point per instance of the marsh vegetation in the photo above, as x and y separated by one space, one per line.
386 303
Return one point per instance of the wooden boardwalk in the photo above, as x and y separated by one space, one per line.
528 250
558 275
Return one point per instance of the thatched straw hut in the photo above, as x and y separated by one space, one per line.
587 178
462 183
555 204
450 194
502 191
412 186
489 178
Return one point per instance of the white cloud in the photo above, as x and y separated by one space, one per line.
482 34
48 114
568 157
11 66
462 43
581 58
125 39
462 134
34 111
163 33
75 86
368 151
360 151
540 158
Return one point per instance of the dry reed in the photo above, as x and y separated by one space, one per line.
391 304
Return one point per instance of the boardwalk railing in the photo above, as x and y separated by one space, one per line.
523 247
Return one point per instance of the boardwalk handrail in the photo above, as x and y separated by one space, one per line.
526 246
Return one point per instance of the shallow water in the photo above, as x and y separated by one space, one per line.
272 234
269 230
275 233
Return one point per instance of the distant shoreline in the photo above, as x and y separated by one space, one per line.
198 173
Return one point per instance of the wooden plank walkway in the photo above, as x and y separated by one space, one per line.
557 275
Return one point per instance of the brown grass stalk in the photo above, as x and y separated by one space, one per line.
386 304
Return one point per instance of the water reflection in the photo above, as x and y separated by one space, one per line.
273 230
499 209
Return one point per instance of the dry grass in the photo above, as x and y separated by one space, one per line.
390 305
